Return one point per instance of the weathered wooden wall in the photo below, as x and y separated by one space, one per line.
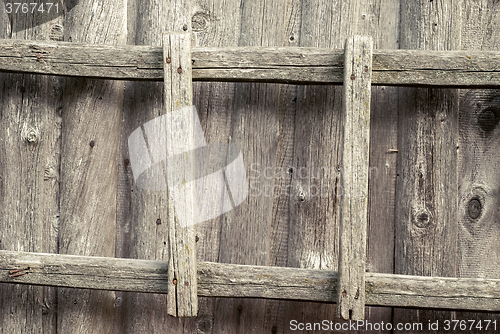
434 150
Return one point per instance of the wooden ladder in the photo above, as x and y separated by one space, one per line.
355 164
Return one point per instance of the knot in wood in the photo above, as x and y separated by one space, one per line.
200 21
487 120
204 324
474 208
422 218
30 134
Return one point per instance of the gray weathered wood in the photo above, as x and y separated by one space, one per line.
147 212
427 183
354 178
268 64
91 122
383 138
179 94
478 159
231 280
30 134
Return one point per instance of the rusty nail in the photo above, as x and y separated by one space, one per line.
344 293
126 161
168 60
179 70
38 56
158 221
196 239
186 283
92 143
366 68
15 271
174 281
18 274
185 27
353 77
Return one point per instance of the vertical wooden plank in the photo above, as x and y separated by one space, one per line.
354 178
182 297
92 111
146 221
426 208
257 231
380 19
313 232
217 23
30 133
478 159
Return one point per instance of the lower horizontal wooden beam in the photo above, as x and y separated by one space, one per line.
231 280
302 65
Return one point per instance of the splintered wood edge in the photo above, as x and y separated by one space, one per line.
354 180
232 280
264 64
178 88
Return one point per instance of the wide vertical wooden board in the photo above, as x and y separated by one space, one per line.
30 133
146 214
478 158
91 120
426 197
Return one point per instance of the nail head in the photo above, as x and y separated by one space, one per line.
168 60
179 70
92 143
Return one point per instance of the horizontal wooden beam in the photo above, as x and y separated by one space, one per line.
283 64
231 280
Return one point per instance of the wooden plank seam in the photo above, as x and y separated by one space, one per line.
355 165
182 299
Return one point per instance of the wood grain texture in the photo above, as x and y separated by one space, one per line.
91 120
178 89
147 212
30 134
427 185
478 164
216 23
231 280
313 237
383 142
266 64
354 178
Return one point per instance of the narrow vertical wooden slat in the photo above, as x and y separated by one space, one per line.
354 200
183 300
